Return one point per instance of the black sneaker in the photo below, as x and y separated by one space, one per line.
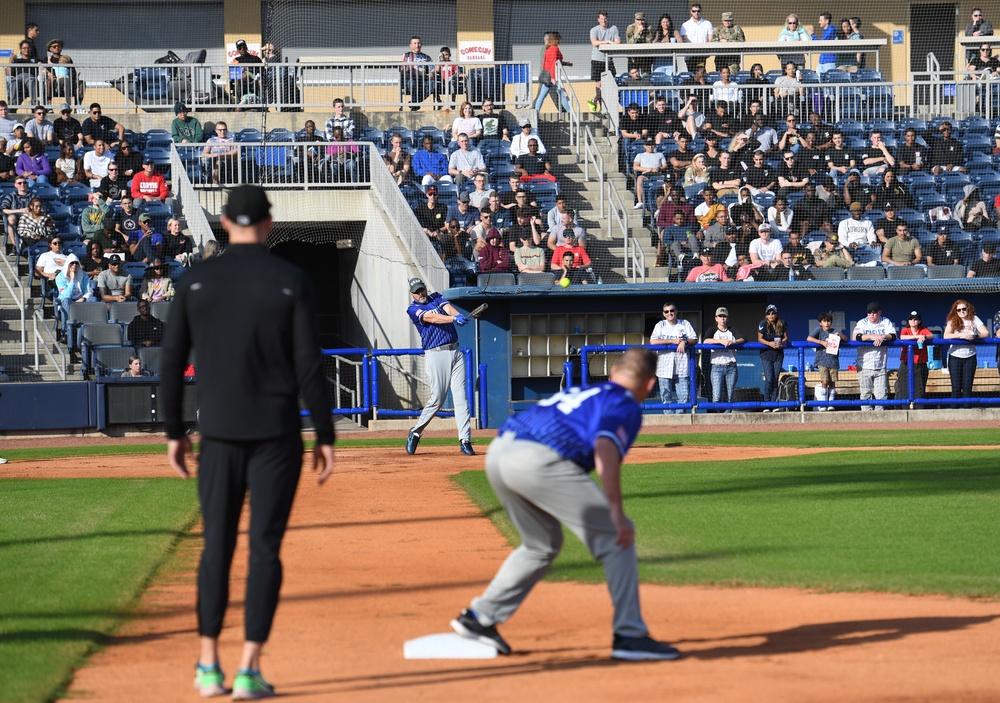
642 649
466 447
412 440
467 626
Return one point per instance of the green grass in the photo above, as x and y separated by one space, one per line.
77 554
915 522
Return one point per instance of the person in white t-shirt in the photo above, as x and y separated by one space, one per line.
697 31
765 250
873 374
673 367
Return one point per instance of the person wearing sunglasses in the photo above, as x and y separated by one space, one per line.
873 374
963 326
99 126
67 128
673 370
697 30
978 26
128 159
115 184
14 206
984 61
793 31
40 128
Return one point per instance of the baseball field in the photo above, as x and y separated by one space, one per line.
846 562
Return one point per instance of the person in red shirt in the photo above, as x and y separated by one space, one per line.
149 185
917 354
707 272
580 259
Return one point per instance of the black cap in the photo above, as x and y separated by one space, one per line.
874 307
115 259
148 161
248 205
416 284
914 315
241 44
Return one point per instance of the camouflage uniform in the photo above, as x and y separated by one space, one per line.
734 33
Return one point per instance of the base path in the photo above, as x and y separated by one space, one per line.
390 549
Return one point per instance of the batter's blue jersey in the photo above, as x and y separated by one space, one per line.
432 336
570 422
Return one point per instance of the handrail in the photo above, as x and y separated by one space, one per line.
592 155
563 83
634 256
19 300
47 345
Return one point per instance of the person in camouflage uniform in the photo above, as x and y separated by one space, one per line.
728 32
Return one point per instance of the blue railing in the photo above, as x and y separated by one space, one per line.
800 349
470 387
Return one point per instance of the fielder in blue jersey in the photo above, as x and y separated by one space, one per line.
539 468
435 319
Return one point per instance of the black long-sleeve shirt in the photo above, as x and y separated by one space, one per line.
251 319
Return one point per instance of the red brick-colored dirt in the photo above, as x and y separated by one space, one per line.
390 550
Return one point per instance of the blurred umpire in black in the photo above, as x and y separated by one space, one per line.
257 351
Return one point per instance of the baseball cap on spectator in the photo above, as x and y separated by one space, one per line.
889 206
770 308
53 42
764 227
990 247
431 191
650 140
640 15
65 108
857 207
18 127
144 217
248 205
874 307
148 161
914 315
943 229
115 259
832 237
463 197
524 122
854 170
241 44
179 107
727 16
722 311
416 284
707 251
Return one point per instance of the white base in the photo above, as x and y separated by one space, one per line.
447 646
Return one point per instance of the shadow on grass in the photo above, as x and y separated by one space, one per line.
830 635
177 535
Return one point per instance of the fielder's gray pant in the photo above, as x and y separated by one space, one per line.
539 489
446 368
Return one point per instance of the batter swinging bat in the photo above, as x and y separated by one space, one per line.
477 313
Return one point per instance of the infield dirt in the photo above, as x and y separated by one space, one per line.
390 549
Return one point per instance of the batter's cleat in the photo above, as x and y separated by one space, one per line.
466 447
209 681
2 460
249 685
643 648
412 440
468 626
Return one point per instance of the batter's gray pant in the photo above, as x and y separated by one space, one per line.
446 367
539 489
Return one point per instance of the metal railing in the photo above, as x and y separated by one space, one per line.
45 342
12 281
564 84
592 156
187 200
365 82
633 256
799 369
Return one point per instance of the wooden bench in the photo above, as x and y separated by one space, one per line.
938 383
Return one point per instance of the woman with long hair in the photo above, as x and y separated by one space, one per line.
467 123
68 168
963 325
697 172
847 61
857 34
34 225
72 286
772 332
547 78
755 87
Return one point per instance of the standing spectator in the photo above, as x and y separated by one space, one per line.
872 370
40 128
66 127
847 61
772 332
221 155
915 355
724 372
415 77
249 421
99 127
547 78
793 32
339 119
827 358
697 30
728 32
639 32
185 129
673 367
977 27
964 325
988 266
827 62
857 35
604 34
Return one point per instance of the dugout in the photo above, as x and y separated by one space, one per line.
547 324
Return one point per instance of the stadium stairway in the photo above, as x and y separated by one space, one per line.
585 196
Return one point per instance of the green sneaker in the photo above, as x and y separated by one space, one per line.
592 104
209 681
249 685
